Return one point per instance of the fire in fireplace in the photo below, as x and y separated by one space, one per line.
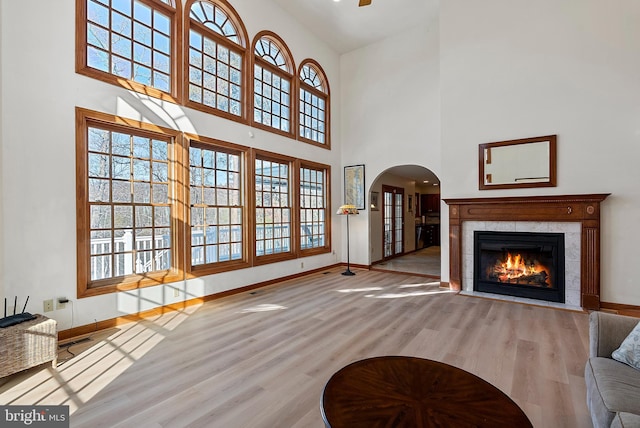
522 264
519 269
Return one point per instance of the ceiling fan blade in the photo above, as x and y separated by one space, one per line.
364 3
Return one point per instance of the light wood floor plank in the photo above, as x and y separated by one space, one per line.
261 358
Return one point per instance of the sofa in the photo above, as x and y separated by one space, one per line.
613 388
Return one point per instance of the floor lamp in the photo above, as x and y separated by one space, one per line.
347 210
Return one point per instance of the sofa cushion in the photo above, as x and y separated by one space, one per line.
611 387
629 350
626 420
607 331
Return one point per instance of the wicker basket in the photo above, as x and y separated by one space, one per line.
28 344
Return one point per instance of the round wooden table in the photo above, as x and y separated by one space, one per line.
397 391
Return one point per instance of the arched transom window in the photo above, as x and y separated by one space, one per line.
216 59
314 100
272 77
196 53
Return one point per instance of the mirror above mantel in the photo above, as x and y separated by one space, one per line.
527 162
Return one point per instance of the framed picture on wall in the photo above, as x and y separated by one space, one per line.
374 201
354 186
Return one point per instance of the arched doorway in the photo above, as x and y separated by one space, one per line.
404 223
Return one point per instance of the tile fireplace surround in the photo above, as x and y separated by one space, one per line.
578 216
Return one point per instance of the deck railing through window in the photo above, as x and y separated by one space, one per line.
143 258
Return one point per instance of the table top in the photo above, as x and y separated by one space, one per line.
36 321
397 391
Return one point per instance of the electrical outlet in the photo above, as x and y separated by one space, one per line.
62 302
48 305
176 292
301 265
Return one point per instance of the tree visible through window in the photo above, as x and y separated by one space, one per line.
138 44
130 215
313 208
132 40
272 76
313 104
273 207
216 205
215 58
131 196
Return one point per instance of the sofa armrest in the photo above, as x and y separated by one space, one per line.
607 331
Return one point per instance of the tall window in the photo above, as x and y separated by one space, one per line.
314 100
216 59
273 206
314 186
134 210
272 77
131 40
128 230
217 222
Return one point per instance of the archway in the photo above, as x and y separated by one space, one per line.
404 221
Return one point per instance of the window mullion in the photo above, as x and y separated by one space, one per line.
137 221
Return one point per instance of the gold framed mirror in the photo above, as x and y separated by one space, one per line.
527 162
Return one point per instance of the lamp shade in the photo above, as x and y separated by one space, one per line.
347 210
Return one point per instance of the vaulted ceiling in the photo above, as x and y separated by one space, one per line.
344 26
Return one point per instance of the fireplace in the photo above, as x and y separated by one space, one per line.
581 210
521 264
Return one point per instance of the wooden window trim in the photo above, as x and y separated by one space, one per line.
220 39
324 95
86 287
175 12
182 23
180 212
247 237
327 190
290 75
294 204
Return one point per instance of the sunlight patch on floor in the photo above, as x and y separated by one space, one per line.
76 381
266 307
436 283
359 290
408 294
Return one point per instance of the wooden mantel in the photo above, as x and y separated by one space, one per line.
584 209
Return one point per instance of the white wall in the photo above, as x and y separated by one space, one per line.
2 48
390 113
487 71
514 69
40 90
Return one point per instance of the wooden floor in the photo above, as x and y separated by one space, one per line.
261 358
424 261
